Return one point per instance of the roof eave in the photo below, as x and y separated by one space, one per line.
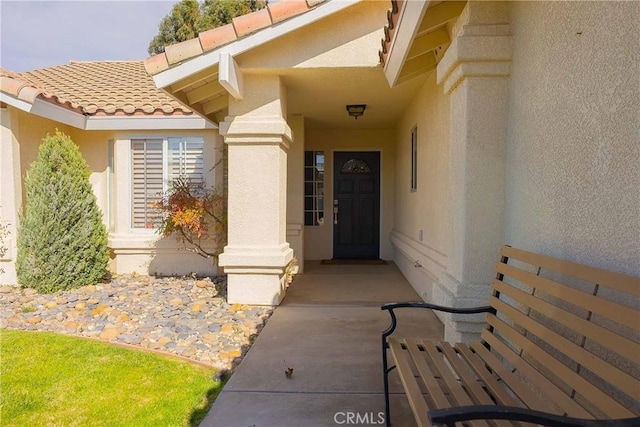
54 112
410 17
166 78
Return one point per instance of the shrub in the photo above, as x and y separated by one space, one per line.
62 242
196 216
4 233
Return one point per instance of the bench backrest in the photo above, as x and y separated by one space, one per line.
571 330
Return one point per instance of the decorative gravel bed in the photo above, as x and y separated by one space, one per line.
183 316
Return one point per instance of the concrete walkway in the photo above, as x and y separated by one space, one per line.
328 330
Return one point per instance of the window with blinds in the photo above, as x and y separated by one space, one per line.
155 164
186 159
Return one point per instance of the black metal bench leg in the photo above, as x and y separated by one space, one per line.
386 369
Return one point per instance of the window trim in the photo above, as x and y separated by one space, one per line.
165 169
316 211
110 217
414 158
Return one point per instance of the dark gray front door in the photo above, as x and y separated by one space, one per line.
356 204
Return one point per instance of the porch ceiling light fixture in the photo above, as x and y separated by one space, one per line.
356 110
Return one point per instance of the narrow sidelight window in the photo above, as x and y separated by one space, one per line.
313 188
414 158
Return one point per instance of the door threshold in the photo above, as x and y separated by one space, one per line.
351 261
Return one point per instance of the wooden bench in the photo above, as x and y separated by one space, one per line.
561 347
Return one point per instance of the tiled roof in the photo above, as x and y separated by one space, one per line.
241 26
390 29
94 88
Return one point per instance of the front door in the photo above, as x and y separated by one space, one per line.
356 205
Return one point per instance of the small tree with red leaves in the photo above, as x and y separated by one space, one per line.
196 216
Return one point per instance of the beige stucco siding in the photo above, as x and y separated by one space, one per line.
132 249
140 250
10 189
295 189
318 240
426 208
573 175
319 44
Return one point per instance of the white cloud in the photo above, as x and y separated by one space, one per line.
37 34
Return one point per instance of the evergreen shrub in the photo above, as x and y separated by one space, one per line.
62 241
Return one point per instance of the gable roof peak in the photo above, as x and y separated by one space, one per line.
240 27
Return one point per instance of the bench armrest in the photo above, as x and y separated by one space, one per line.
450 416
419 304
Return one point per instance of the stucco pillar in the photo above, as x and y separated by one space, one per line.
475 74
258 138
10 191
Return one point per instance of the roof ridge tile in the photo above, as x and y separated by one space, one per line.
240 26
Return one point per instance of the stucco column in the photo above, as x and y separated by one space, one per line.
474 73
10 190
258 138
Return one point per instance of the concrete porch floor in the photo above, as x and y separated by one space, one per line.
328 330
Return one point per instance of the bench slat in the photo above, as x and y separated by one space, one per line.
412 390
562 403
624 315
457 392
609 339
471 382
497 390
610 279
509 379
597 365
598 398
427 376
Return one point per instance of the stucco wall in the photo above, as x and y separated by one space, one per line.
132 250
140 250
426 208
573 175
318 240
10 191
319 45
295 189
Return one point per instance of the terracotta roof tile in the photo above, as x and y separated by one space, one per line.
241 26
183 50
390 29
211 39
94 88
285 9
155 64
251 22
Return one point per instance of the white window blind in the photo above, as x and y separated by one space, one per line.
186 159
155 164
147 181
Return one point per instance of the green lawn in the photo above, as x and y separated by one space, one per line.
54 380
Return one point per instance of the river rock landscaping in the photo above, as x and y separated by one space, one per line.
188 317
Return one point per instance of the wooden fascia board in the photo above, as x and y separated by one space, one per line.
418 65
230 76
215 105
183 84
440 15
203 92
428 42
410 17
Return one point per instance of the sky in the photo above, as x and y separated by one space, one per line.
37 34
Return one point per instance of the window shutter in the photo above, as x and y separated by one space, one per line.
186 159
147 181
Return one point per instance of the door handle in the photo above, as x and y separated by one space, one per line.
335 215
